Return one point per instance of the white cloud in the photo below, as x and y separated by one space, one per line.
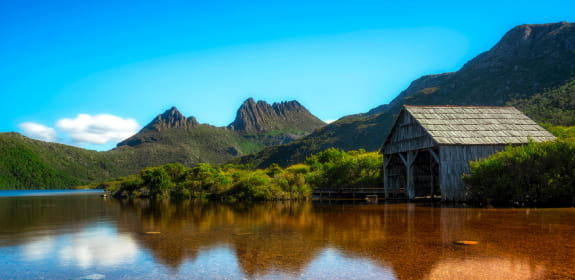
329 121
38 131
97 129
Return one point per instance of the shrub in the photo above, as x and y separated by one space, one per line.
158 181
254 186
537 174
331 168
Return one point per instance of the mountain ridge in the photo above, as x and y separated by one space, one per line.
540 63
169 137
285 121
172 118
257 117
538 57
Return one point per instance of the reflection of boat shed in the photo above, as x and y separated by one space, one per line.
429 147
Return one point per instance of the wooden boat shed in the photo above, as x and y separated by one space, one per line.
429 147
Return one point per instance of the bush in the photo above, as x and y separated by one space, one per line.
334 168
255 186
537 174
331 168
181 193
158 181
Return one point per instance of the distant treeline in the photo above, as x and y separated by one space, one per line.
330 168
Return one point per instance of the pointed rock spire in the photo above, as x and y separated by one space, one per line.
260 116
171 118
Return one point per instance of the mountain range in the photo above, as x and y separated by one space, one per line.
531 67
529 63
170 137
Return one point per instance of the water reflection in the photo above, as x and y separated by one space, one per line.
88 248
411 241
486 268
96 238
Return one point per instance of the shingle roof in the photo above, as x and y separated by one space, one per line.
474 125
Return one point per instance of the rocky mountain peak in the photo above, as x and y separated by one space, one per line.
171 118
527 60
260 116
528 41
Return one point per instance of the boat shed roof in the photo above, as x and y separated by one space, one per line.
475 125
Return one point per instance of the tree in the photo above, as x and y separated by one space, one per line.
158 181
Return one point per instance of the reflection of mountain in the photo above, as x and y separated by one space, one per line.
262 236
22 217
415 241
283 240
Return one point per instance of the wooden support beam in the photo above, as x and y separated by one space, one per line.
434 155
386 160
411 156
403 159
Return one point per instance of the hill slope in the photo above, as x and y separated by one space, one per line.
528 60
170 137
28 163
555 106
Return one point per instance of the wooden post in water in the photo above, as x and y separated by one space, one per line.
409 168
386 160
438 162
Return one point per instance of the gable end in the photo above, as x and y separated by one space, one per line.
407 134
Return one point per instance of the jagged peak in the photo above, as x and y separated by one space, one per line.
287 104
171 118
260 116
248 102
173 110
192 121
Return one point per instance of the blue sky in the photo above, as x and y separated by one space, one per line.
90 73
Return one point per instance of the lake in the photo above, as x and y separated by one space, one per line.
79 235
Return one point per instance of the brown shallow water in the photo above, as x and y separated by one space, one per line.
86 237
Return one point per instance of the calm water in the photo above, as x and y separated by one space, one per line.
83 236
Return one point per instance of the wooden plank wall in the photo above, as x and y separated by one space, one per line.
454 162
408 135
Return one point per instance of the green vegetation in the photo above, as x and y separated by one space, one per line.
203 143
26 170
332 168
32 164
537 78
555 106
349 133
537 174
566 133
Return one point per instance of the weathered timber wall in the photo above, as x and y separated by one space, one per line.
454 162
408 135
